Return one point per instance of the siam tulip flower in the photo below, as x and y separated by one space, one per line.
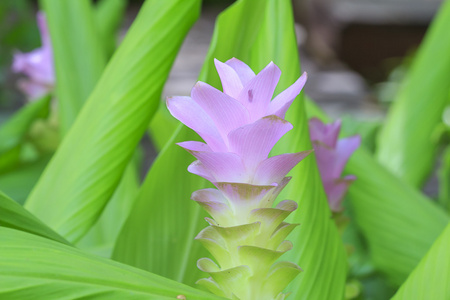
332 155
240 126
37 65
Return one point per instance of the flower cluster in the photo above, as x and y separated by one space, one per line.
240 126
332 155
37 65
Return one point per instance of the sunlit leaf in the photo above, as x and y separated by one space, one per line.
405 144
79 58
32 267
108 17
88 165
430 279
14 131
14 216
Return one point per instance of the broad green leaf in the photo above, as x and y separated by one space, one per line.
14 216
444 181
162 127
102 236
248 30
405 144
32 267
318 248
14 131
399 223
79 58
431 278
88 165
18 182
108 17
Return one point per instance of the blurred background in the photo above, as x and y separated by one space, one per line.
355 51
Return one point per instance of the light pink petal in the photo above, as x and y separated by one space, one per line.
336 190
43 29
326 134
226 112
193 116
231 83
275 168
213 201
194 146
253 142
258 92
244 72
344 149
199 169
281 103
223 166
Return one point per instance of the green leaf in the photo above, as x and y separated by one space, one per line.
405 144
444 181
14 131
102 236
399 223
108 17
18 182
16 217
88 165
32 267
430 279
79 58
251 31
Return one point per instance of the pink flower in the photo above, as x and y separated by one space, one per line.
240 126
37 65
332 155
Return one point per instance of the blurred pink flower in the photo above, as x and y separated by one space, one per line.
37 65
332 155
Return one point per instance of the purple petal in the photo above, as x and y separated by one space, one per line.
226 112
43 29
244 72
281 103
223 166
324 133
253 142
258 92
199 169
336 191
193 116
194 146
344 149
275 168
231 83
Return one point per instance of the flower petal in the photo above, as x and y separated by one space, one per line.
281 103
244 72
344 149
258 92
223 166
327 134
275 168
336 190
231 83
253 142
227 113
193 116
